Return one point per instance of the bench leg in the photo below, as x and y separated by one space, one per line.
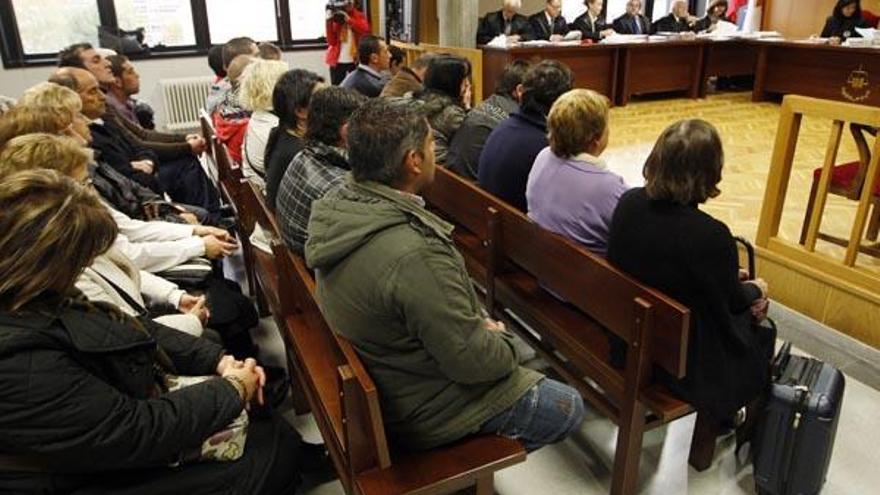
486 485
624 480
703 441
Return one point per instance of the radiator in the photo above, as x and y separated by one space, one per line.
183 98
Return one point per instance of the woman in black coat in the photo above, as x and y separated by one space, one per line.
659 235
846 17
83 407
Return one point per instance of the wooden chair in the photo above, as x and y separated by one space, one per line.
847 180
516 262
346 407
207 128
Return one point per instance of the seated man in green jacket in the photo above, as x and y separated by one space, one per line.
391 281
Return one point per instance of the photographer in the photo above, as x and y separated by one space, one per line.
345 26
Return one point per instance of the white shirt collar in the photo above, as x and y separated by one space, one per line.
590 160
370 70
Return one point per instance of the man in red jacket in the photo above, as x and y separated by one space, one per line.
345 26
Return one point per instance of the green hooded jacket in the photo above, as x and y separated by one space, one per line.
391 281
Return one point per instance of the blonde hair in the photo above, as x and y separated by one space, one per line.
51 228
27 119
577 119
48 94
258 82
39 150
237 66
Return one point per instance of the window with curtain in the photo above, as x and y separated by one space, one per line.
48 26
166 22
229 19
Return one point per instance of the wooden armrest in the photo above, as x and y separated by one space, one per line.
660 401
453 466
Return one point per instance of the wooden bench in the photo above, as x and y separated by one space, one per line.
515 260
346 407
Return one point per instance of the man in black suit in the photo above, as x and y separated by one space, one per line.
505 21
633 22
549 23
591 23
678 21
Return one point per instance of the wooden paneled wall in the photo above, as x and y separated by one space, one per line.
802 18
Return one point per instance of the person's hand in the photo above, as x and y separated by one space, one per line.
204 230
762 286
834 40
216 248
759 309
189 218
556 37
606 33
743 275
226 361
194 306
196 143
513 38
466 94
145 166
249 376
494 325
151 211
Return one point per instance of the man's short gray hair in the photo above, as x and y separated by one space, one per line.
380 134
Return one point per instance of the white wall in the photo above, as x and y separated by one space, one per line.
14 81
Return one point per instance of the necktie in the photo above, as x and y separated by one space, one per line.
507 27
638 27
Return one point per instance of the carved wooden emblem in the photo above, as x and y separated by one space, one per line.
857 88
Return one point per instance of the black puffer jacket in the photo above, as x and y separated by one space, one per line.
78 395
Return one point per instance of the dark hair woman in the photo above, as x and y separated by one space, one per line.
84 404
290 103
846 17
716 11
446 99
660 236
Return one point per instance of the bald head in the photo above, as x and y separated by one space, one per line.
93 101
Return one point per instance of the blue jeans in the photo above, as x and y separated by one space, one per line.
547 413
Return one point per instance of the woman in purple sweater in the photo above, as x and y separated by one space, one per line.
570 190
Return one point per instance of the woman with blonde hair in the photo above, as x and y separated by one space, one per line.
255 94
570 189
26 119
99 377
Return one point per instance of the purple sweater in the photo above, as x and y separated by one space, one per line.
574 197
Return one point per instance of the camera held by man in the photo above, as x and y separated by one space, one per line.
337 10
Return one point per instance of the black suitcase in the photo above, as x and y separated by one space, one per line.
796 436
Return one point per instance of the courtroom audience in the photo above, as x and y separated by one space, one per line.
126 83
549 24
290 103
27 119
112 269
678 21
632 21
464 150
320 166
257 85
446 99
842 24
408 80
507 21
374 59
122 193
660 236
570 189
228 52
230 118
592 23
100 377
85 56
389 278
715 12
512 147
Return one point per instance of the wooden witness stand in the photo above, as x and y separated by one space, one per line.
794 108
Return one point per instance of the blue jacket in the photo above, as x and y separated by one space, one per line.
364 82
509 154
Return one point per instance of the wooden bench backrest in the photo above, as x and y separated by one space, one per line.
581 278
207 131
344 398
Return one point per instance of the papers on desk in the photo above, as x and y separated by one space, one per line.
616 38
868 33
573 35
499 41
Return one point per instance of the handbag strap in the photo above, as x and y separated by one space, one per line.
135 305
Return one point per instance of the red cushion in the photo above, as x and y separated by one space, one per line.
870 17
843 175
